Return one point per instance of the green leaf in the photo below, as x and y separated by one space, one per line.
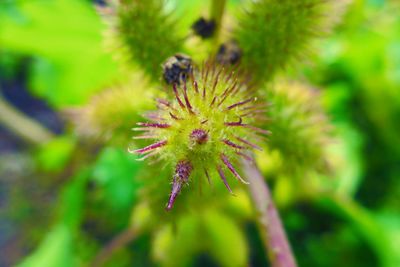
366 224
54 155
115 172
72 199
55 250
226 241
57 247
65 37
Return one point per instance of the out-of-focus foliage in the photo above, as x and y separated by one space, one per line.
64 39
85 195
274 33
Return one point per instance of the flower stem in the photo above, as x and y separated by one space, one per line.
115 244
24 127
273 233
216 13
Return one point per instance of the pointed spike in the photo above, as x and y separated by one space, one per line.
229 165
206 77
259 130
231 144
153 153
149 148
182 172
164 105
173 116
195 86
246 157
153 125
229 76
138 129
241 103
188 105
177 96
222 175
248 143
239 123
153 116
216 81
213 101
176 189
163 102
208 176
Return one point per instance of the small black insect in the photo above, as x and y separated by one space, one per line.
204 28
229 53
177 68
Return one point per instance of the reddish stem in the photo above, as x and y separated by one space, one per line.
273 233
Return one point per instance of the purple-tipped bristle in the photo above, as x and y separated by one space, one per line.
239 123
246 157
222 175
154 125
232 144
182 172
174 116
240 103
151 147
229 165
177 96
188 105
248 143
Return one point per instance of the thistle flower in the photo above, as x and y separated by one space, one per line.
210 122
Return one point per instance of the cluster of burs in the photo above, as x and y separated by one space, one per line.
219 88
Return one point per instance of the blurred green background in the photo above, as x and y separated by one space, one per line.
61 200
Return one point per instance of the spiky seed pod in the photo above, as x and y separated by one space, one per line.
108 115
148 33
301 128
205 128
274 33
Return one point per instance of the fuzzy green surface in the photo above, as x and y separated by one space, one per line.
149 34
300 129
110 114
273 34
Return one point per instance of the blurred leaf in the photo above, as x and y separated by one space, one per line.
367 225
115 172
71 200
226 240
54 155
55 250
66 36
177 248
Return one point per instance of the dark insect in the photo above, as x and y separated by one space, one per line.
229 53
204 28
177 68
